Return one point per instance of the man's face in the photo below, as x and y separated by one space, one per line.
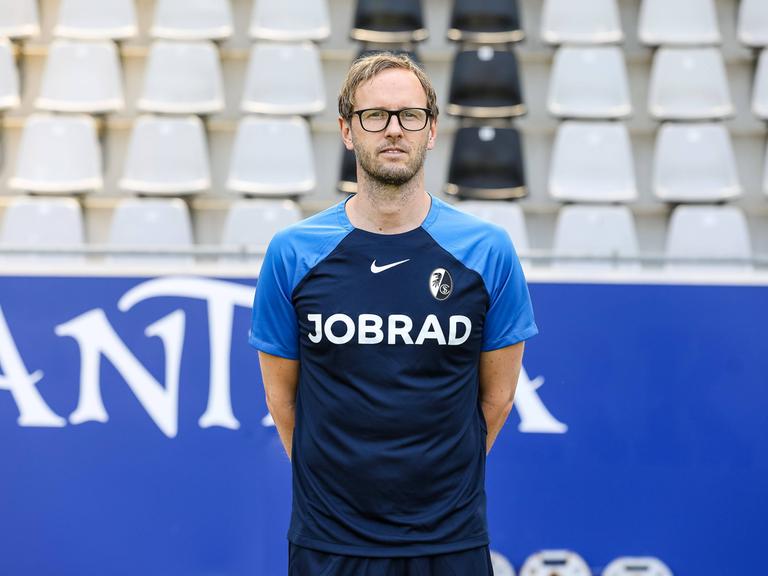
394 155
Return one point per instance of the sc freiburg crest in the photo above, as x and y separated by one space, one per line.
440 283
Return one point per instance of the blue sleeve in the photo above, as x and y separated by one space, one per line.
274 326
509 319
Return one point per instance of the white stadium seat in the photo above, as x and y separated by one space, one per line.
290 20
192 20
760 89
182 78
709 232
167 155
592 162
32 222
81 77
680 22
19 18
150 223
252 223
272 157
589 82
595 231
753 23
637 566
96 19
689 84
695 163
508 215
582 22
9 77
501 566
58 154
284 78
555 563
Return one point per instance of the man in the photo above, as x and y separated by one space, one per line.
390 331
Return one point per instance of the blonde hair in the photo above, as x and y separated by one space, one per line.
366 67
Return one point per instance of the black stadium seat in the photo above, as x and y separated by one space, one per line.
394 21
348 178
485 84
485 22
487 164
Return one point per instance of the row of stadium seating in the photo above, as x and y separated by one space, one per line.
583 232
568 563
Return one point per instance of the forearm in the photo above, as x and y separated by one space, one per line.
496 414
499 370
281 379
284 415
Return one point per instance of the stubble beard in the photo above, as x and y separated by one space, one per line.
388 174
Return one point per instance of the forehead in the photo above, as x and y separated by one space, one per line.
392 88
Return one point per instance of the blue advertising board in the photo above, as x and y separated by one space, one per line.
134 437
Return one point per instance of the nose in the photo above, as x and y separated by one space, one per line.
393 126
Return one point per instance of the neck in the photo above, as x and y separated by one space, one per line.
386 209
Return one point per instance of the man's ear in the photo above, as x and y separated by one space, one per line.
432 134
346 133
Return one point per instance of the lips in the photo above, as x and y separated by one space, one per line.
392 149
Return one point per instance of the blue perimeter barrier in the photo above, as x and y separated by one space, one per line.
134 437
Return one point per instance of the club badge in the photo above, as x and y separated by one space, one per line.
440 283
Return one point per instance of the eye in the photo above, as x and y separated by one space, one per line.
410 114
375 114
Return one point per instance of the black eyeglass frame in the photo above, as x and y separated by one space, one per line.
391 113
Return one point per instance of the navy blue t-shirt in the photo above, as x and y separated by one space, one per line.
389 443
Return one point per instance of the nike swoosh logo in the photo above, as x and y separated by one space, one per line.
376 269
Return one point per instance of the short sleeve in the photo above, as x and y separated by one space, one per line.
509 319
274 326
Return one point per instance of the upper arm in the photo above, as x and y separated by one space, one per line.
498 373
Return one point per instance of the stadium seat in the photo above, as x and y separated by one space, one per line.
30 222
709 232
485 22
182 78
595 231
589 82
58 154
689 84
19 18
284 78
9 77
167 155
151 224
637 566
592 162
583 22
272 156
253 223
486 164
290 20
501 566
389 21
681 23
508 215
760 90
96 20
192 20
555 563
81 77
753 23
695 163
485 84
348 178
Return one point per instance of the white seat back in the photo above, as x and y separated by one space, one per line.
592 162
689 84
9 77
555 563
695 163
19 18
753 23
290 20
183 78
595 231
58 154
709 232
96 19
167 155
760 90
285 78
501 566
81 77
583 22
253 223
637 566
589 82
192 20
508 215
272 156
682 22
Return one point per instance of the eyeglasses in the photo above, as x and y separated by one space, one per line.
377 119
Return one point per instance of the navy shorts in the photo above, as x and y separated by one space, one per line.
307 562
